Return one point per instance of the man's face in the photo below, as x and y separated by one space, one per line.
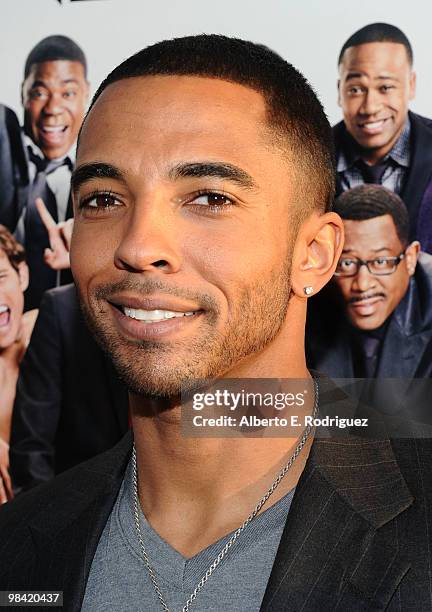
369 299
375 87
54 97
181 246
12 285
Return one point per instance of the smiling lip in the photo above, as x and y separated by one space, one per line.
373 127
5 317
153 318
53 134
366 306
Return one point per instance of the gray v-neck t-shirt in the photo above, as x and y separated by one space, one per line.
119 580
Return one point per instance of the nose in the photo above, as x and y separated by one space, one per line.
149 242
371 103
53 105
363 280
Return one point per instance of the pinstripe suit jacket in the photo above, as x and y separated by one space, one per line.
357 537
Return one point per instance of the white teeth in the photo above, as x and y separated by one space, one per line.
150 316
57 128
375 124
3 308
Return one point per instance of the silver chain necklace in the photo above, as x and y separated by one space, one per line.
236 533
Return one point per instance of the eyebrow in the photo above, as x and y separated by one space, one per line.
359 75
41 83
373 250
213 169
96 170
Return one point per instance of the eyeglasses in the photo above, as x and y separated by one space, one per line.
380 266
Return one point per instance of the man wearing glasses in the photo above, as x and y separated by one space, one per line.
383 285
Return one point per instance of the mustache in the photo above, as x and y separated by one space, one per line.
365 296
148 286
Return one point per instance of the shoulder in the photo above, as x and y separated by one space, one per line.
8 116
55 504
29 320
414 458
62 302
423 277
425 262
338 130
420 122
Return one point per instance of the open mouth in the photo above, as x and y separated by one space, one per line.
53 133
4 316
154 316
54 129
373 127
154 321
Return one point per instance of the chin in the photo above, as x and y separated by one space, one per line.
163 379
367 324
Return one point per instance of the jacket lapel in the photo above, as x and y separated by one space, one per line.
339 547
65 550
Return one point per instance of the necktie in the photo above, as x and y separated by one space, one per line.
36 235
373 174
367 356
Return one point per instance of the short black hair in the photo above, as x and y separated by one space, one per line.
293 109
370 201
53 48
378 32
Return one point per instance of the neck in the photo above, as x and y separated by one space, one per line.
214 483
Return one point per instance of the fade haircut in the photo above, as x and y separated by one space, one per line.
378 32
13 250
370 201
293 110
54 48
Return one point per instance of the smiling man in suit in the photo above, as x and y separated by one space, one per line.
375 319
380 140
54 95
202 192
379 301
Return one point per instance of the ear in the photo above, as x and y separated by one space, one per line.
339 96
412 85
411 256
23 273
316 253
22 93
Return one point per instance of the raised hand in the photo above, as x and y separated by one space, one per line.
57 256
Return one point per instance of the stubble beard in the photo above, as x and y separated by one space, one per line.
163 371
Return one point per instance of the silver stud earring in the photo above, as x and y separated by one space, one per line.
308 290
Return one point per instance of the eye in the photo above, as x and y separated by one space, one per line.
355 90
211 200
346 263
37 94
99 201
69 94
386 88
380 261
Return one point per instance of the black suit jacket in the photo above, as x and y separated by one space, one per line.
417 188
13 169
14 198
357 537
69 405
